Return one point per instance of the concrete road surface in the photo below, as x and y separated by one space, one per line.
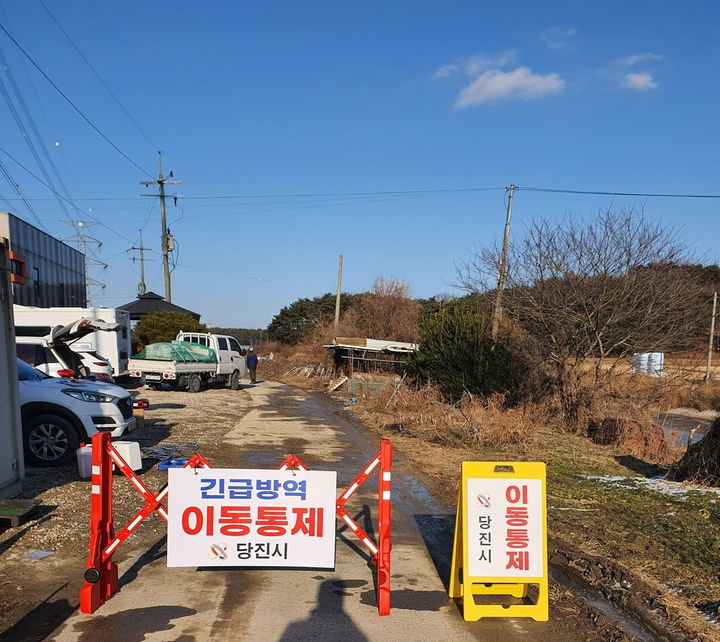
185 604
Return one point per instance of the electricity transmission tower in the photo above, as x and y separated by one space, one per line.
84 240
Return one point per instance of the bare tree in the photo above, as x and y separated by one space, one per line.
387 311
592 293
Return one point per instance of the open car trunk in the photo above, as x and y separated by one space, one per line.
79 329
61 336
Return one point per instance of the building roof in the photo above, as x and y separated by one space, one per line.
151 302
371 345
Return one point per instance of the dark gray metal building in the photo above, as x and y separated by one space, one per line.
45 272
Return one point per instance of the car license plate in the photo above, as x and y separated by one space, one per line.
153 377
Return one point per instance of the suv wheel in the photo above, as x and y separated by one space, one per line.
50 440
235 381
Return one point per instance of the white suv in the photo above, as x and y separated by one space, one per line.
57 414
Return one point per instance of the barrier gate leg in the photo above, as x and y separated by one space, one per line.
101 578
384 528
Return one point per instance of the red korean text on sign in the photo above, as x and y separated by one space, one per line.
308 521
237 521
516 531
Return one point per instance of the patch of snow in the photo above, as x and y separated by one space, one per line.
679 490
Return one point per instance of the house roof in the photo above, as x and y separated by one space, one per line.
151 302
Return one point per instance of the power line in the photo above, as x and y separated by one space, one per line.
40 104
382 193
16 188
409 192
317 205
304 195
71 103
244 276
147 218
37 178
31 122
97 75
606 193
234 274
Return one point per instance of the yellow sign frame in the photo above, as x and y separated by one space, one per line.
466 587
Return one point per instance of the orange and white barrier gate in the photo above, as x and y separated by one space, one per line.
380 551
101 573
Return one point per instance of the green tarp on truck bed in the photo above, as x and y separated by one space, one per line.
178 351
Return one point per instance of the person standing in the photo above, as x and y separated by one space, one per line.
252 362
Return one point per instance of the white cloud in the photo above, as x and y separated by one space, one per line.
446 70
494 85
476 64
636 59
558 37
640 81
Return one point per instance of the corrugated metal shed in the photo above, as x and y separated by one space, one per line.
372 345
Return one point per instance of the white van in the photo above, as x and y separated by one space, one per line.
113 347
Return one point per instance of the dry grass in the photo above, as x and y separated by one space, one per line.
422 412
700 396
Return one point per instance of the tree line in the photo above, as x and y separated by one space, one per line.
582 295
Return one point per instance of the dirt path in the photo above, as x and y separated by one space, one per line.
256 428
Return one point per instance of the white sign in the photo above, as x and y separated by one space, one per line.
504 527
234 517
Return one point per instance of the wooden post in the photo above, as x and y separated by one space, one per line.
711 342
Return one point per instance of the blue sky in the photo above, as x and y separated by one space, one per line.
324 97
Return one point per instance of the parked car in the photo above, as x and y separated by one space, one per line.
58 414
52 353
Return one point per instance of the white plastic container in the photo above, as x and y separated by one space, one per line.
130 452
656 364
84 460
640 362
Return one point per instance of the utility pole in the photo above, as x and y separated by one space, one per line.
167 243
339 289
141 286
711 343
502 272
83 241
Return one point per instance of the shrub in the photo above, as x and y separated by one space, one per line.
458 355
387 311
164 326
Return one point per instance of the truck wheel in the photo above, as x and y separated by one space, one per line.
50 440
194 383
235 381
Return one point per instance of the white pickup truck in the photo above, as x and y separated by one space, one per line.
182 369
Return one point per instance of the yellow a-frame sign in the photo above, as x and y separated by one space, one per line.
500 546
